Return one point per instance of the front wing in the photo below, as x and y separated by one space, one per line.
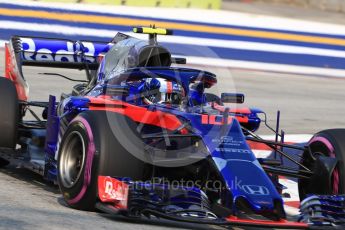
184 204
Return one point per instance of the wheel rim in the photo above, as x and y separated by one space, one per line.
72 159
330 153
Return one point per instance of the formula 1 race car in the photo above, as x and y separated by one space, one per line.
144 139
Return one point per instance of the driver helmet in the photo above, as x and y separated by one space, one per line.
159 90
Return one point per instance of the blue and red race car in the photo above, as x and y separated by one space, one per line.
141 138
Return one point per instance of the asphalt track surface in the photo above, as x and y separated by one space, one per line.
308 104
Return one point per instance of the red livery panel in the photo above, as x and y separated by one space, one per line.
111 190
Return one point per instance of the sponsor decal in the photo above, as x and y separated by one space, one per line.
223 139
232 150
227 141
61 50
113 191
256 190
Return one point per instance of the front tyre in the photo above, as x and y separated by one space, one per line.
75 161
89 149
328 143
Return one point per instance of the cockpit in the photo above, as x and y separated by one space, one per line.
132 53
144 67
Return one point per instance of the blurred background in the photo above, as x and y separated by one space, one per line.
332 5
283 54
286 55
292 36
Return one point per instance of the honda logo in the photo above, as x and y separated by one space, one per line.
226 139
256 190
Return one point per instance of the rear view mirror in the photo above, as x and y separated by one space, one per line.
179 60
232 98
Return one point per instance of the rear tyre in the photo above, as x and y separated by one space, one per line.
329 143
89 149
9 115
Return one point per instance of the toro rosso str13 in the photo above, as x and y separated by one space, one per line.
144 139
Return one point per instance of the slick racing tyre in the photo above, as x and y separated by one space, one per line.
9 115
328 143
89 149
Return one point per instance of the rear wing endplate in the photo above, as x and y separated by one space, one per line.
47 52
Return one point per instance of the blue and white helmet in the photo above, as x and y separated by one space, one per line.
159 90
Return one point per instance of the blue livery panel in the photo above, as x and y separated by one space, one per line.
52 50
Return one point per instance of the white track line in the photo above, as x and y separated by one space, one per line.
260 66
270 67
243 45
294 138
198 15
291 69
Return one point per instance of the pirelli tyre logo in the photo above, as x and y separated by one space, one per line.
256 190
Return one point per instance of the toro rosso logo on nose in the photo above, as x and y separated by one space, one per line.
256 190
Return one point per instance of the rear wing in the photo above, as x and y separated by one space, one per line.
46 52
58 52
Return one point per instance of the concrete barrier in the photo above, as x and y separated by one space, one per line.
204 4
